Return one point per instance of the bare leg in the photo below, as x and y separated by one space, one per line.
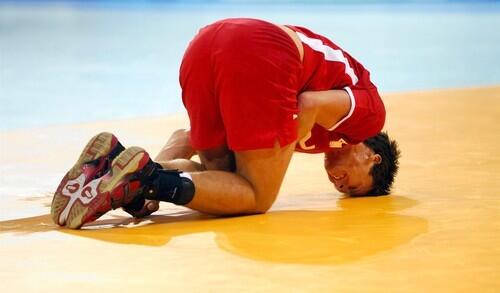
230 183
221 159
182 164
177 146
252 189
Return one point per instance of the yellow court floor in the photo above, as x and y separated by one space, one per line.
438 232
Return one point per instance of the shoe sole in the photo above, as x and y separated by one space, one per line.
101 145
85 208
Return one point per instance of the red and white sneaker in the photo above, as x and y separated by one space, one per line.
118 187
94 161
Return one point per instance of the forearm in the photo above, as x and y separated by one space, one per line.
325 108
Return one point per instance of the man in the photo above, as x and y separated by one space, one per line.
254 92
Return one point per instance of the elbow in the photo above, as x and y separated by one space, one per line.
306 101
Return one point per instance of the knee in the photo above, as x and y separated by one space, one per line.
263 204
259 210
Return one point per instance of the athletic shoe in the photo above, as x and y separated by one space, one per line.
94 161
120 186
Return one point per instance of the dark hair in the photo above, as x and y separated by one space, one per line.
383 173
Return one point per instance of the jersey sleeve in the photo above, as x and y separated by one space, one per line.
366 117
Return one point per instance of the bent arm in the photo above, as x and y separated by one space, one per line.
325 108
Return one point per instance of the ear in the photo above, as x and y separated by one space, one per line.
377 159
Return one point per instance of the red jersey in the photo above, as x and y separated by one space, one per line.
326 66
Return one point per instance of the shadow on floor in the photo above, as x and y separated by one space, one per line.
360 228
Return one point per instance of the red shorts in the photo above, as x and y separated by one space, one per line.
239 80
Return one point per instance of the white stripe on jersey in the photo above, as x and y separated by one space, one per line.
353 105
330 54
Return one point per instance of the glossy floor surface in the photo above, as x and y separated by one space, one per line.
438 232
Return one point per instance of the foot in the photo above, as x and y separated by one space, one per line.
94 161
118 187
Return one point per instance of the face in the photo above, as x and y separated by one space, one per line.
349 168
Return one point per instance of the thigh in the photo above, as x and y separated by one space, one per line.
264 169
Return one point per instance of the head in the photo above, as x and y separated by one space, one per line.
364 169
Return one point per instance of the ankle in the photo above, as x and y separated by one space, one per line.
170 186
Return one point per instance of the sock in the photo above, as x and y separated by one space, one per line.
170 186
